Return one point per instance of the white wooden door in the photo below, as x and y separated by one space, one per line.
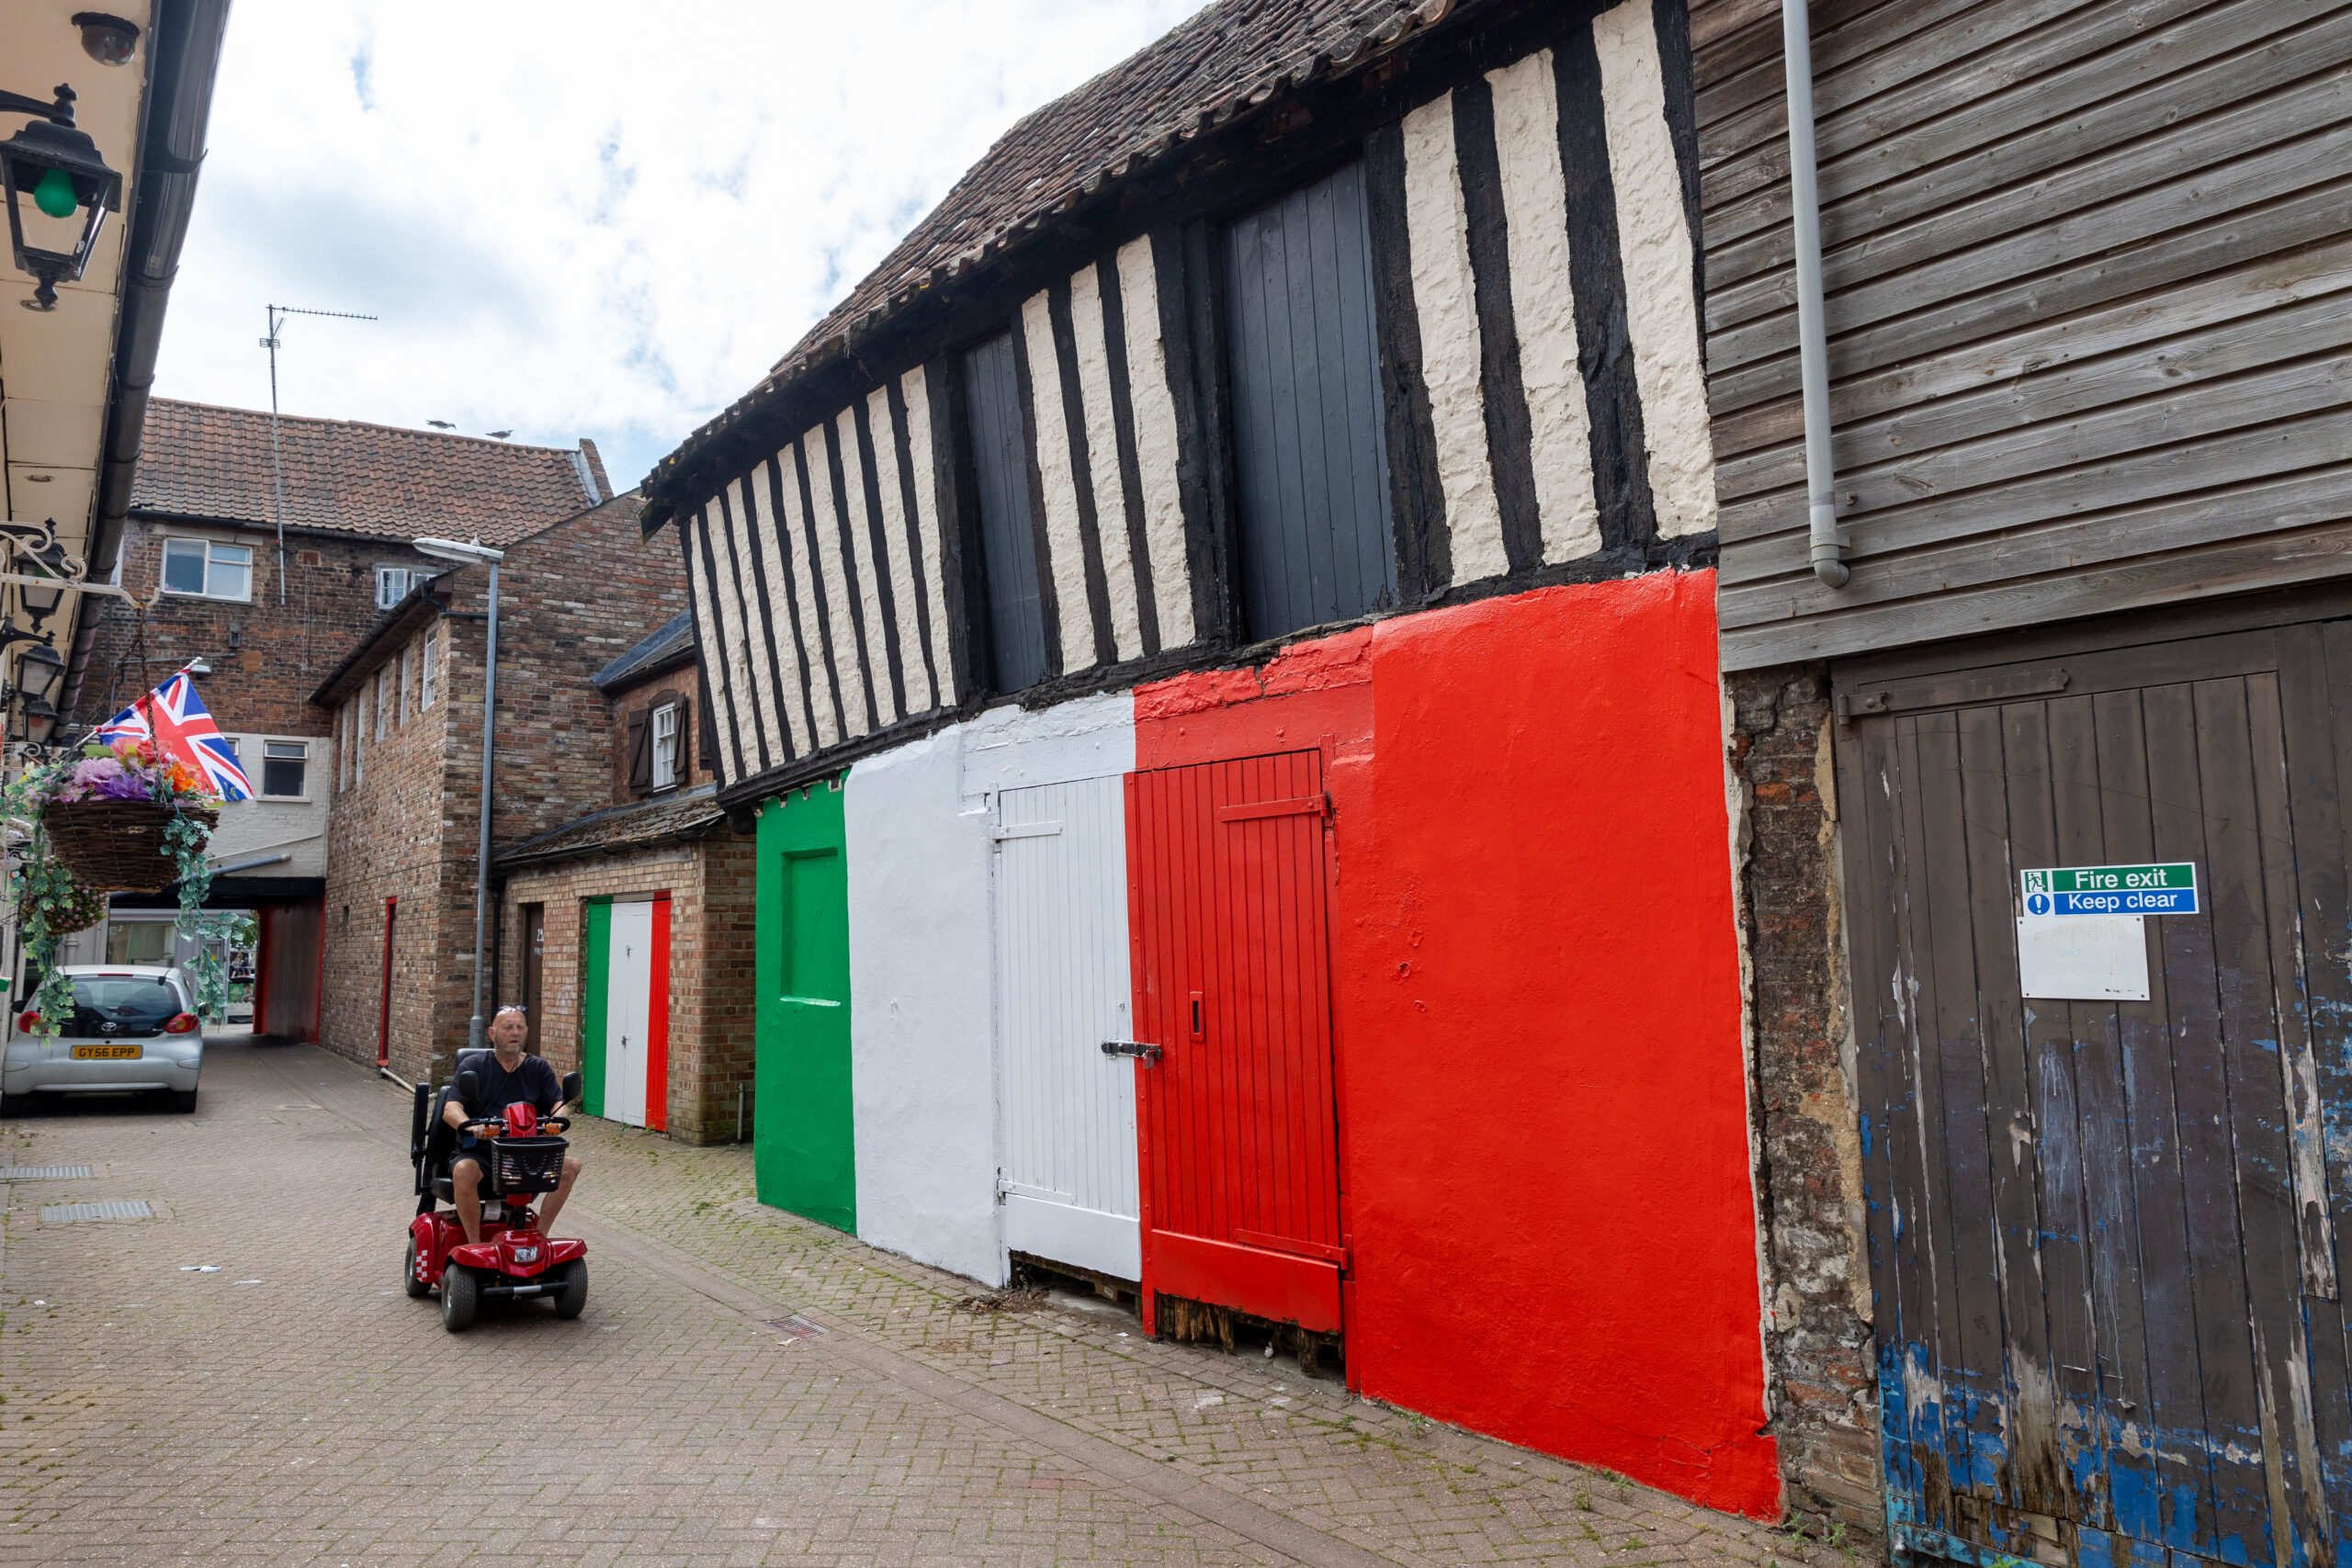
1069 1132
628 997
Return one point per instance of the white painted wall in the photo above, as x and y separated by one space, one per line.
921 965
922 1080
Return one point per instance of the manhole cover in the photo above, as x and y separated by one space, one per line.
44 1172
66 1213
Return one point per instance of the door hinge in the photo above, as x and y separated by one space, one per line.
1027 830
1131 1048
1294 1247
1318 805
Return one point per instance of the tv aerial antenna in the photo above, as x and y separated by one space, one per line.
276 462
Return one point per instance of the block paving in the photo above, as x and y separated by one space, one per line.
241 1379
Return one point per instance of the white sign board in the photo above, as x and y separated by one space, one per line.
2092 958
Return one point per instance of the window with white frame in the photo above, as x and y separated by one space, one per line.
404 707
208 569
359 737
383 692
285 770
665 747
425 667
393 583
342 749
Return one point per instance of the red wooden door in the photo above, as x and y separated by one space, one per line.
1236 1127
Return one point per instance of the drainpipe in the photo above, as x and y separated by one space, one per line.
1826 540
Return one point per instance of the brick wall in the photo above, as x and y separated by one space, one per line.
403 822
712 952
1818 1341
401 826
267 657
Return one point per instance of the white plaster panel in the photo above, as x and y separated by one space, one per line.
1009 747
755 636
706 627
1438 236
1661 297
836 580
862 565
1543 303
733 639
1156 445
914 389
1102 460
251 829
759 516
822 715
1071 607
922 1067
894 535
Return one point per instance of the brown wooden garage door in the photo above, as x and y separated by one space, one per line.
2102 1231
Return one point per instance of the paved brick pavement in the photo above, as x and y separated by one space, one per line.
295 1407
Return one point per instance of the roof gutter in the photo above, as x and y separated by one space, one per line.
185 63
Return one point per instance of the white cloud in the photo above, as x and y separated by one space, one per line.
597 218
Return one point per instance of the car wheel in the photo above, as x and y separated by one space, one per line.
573 1299
461 1298
183 1102
12 1105
416 1287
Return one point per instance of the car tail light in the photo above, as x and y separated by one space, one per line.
28 1022
180 1023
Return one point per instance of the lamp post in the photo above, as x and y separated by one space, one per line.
471 555
57 165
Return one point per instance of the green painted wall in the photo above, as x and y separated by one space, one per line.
598 967
801 1142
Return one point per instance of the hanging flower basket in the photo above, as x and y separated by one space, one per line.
118 845
74 908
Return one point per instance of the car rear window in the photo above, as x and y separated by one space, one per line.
132 1004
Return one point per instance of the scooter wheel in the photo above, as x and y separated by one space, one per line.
417 1288
573 1299
461 1298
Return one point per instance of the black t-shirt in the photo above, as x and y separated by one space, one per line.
531 1081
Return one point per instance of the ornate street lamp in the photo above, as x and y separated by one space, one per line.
57 168
39 673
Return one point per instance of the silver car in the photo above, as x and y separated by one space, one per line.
134 1028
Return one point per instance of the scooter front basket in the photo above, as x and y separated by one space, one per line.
526 1165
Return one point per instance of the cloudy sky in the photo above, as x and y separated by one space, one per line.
595 218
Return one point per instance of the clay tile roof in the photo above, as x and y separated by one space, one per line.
666 820
1232 59
674 639
197 460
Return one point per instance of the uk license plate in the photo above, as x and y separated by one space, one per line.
105 1053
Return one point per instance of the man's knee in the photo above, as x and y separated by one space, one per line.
570 1167
465 1173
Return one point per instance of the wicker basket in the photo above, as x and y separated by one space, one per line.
117 845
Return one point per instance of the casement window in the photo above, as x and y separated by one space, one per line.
393 583
1310 454
657 748
384 694
427 670
665 747
404 680
1008 532
285 770
359 737
342 749
207 568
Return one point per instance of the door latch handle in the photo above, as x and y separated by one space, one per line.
1131 1048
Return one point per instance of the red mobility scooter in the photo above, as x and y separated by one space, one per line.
522 1156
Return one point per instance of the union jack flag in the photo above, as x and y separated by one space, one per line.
183 728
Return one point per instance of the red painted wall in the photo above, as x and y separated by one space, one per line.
1543 1103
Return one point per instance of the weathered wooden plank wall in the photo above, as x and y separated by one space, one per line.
2086 266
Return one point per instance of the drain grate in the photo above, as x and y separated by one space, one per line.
793 1327
66 1213
44 1172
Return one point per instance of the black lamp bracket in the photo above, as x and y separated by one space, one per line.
60 112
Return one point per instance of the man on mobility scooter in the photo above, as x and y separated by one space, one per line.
491 1150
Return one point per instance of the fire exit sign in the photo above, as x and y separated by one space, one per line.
2165 890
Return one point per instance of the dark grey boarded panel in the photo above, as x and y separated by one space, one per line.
2079 346
1008 532
1310 455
